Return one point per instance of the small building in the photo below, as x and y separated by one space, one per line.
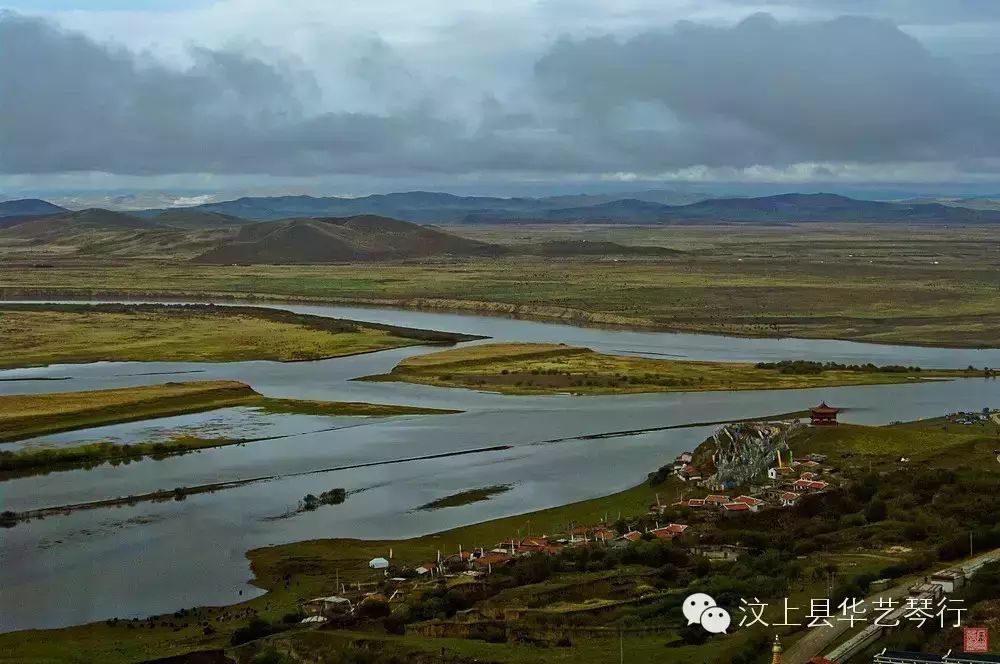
427 568
735 509
663 533
789 499
781 472
753 503
677 528
950 580
696 503
823 415
530 545
378 563
491 560
925 588
324 606
809 485
604 535
719 552
688 473
626 539
714 500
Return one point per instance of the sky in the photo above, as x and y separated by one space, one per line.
352 97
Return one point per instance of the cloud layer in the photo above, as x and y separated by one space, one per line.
813 93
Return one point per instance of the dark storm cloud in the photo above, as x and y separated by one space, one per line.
763 92
760 92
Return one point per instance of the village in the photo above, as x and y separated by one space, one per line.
772 479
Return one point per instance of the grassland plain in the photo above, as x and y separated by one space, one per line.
531 368
25 415
28 415
883 283
50 334
960 459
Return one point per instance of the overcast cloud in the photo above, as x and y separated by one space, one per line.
354 93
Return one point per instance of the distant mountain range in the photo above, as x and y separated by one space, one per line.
429 207
974 202
650 207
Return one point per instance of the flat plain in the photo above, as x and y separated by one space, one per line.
533 368
52 334
883 283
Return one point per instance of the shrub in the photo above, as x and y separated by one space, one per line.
255 629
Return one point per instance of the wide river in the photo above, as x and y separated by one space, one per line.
157 557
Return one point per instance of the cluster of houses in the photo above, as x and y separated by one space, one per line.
470 565
789 481
482 561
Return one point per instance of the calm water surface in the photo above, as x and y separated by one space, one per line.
151 558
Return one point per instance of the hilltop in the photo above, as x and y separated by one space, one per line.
188 218
363 237
49 226
102 234
28 207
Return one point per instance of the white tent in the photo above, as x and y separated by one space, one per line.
378 563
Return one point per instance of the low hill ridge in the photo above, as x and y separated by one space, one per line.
28 207
334 239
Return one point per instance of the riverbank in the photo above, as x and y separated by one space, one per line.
32 415
291 573
42 334
29 415
531 368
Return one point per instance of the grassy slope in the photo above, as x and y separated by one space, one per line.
38 337
555 368
882 283
313 566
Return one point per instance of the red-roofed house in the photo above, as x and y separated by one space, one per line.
789 499
632 536
604 535
534 541
663 533
730 509
694 502
809 485
753 503
492 560
807 476
717 500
